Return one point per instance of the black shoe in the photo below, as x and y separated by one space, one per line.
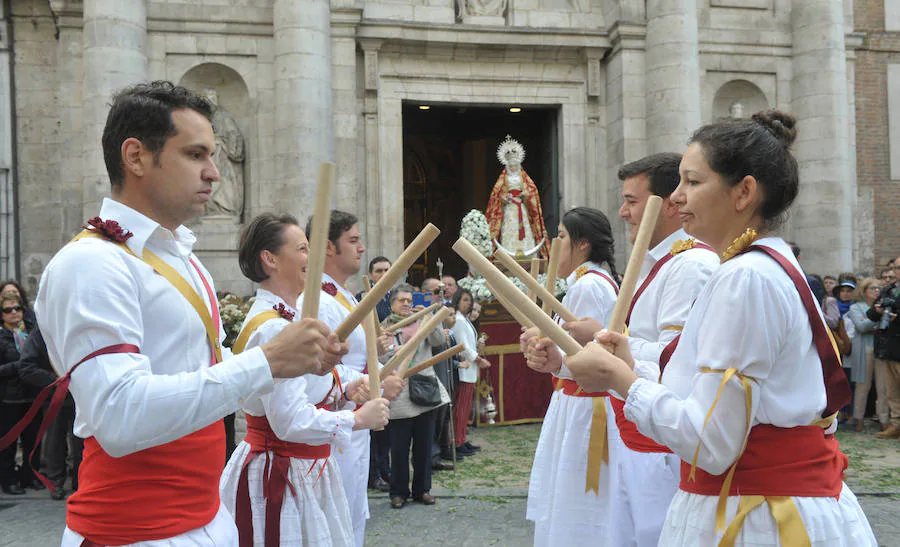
381 485
441 466
464 450
59 494
36 485
13 490
471 446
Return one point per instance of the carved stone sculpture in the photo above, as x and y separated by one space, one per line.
228 194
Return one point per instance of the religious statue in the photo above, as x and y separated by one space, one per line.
228 193
736 110
514 208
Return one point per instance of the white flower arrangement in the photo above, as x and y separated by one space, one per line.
476 230
478 288
561 285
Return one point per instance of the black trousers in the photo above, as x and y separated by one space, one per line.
379 455
10 414
419 431
61 445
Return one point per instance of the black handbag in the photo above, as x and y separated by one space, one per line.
424 390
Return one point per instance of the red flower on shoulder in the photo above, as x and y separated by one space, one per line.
110 229
329 288
284 312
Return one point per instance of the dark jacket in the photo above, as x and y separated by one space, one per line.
34 367
383 308
12 389
887 342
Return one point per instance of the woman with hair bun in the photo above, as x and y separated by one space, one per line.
573 475
749 396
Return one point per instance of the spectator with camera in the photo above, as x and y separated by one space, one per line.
887 348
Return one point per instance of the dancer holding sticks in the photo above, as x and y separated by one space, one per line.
413 412
671 276
344 250
574 473
283 468
748 398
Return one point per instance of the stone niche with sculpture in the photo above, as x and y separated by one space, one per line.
219 229
482 12
738 99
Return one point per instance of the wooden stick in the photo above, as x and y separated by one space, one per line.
442 356
318 241
394 273
635 262
535 270
502 285
368 287
552 269
412 318
545 295
517 315
408 349
372 357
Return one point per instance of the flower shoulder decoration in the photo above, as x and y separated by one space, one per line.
110 229
283 311
329 288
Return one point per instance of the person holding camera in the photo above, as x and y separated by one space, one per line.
887 348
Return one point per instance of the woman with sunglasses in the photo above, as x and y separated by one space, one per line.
749 396
15 398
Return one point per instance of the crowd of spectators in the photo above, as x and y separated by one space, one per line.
861 311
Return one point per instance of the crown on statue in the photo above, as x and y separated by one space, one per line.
510 151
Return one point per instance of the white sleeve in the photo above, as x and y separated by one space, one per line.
294 418
746 325
594 298
88 300
683 284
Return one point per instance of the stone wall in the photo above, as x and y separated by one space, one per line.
879 196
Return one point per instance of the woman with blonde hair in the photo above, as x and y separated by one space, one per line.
862 358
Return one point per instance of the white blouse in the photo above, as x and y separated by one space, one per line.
291 408
464 332
589 296
748 317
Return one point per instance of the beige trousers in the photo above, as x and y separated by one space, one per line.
891 387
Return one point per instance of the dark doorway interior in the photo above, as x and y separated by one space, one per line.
450 166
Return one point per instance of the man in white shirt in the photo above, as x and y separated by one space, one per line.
132 309
674 271
342 260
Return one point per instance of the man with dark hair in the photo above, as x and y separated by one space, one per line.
342 260
131 308
378 266
674 272
887 348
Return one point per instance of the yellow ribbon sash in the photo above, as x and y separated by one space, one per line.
241 342
342 300
598 442
791 530
171 275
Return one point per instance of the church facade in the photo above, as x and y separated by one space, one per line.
306 81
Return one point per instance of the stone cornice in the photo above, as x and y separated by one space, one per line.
457 34
628 35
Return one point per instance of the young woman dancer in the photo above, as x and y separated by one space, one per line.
281 484
573 477
749 396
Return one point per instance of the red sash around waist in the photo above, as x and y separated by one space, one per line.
799 461
157 493
629 433
262 440
571 387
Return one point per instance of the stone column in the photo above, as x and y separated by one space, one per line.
115 39
673 74
304 124
822 218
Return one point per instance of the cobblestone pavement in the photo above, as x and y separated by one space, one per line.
477 518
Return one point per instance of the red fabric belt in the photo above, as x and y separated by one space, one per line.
799 461
262 440
570 387
154 494
629 433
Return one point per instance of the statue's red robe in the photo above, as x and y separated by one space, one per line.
532 204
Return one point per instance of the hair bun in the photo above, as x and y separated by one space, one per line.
781 124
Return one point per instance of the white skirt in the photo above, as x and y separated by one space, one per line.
691 521
557 503
647 482
317 516
353 463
